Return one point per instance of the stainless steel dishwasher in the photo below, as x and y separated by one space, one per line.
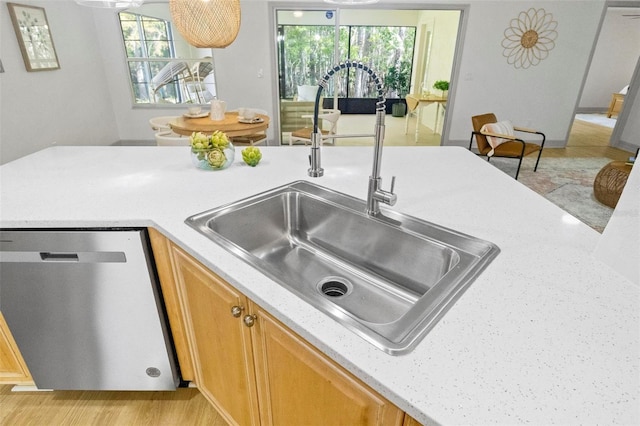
84 308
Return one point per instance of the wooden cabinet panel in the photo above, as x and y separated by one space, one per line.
221 344
13 369
410 421
161 253
298 385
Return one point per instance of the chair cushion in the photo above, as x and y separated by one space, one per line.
514 149
307 93
501 127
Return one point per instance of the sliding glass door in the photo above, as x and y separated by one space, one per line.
309 42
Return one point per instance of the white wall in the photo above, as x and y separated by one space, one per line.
69 106
614 59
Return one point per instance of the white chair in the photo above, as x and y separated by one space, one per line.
161 123
254 139
168 138
326 116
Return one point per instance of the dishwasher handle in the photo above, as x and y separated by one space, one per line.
62 257
48 256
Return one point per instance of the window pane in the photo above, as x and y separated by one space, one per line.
134 49
154 29
382 48
306 55
139 81
158 49
130 30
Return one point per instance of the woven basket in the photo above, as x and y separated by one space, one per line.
213 23
610 181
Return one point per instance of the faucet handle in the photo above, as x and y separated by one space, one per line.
393 184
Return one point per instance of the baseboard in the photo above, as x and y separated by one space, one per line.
626 146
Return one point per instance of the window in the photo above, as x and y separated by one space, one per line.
306 52
157 76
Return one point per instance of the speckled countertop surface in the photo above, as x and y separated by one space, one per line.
547 334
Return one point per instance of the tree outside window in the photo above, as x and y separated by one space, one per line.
306 52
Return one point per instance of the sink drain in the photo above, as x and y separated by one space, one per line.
334 287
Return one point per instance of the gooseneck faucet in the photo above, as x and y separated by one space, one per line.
375 194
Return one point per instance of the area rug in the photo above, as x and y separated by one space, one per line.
566 182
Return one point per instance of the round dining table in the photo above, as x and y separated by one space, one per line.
185 125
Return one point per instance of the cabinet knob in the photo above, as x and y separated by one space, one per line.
250 320
236 311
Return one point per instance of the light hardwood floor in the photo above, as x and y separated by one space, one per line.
588 140
188 406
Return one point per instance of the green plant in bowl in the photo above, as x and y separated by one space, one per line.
441 85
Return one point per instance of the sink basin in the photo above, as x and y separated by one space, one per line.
387 278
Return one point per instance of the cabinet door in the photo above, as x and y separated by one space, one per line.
220 343
12 367
300 386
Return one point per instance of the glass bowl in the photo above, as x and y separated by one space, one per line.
207 159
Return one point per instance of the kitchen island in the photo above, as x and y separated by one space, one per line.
546 334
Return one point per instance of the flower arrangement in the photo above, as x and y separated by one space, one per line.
213 151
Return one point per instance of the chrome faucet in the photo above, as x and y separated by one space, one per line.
375 194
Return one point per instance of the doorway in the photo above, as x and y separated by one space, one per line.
611 72
408 49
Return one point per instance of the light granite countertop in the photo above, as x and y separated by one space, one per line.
547 334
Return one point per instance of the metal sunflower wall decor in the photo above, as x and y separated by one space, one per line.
529 38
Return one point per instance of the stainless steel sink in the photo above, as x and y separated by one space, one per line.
387 278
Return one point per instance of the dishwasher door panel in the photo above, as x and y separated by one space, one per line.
83 307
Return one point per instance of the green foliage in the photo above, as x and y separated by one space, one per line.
398 78
306 53
441 85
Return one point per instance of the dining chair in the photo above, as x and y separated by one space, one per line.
325 116
161 123
168 138
254 139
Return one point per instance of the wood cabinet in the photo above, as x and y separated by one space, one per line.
220 343
13 369
164 266
298 385
255 370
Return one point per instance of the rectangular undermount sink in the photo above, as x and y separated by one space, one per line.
387 278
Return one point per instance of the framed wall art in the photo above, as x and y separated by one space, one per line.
34 37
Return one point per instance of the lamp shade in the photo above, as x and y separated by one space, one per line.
206 23
111 4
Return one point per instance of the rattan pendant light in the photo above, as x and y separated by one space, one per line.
207 23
